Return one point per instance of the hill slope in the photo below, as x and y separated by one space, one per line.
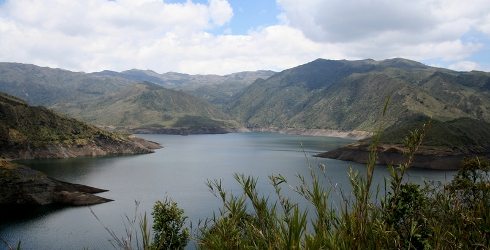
47 86
28 132
146 105
444 146
349 95
109 100
213 88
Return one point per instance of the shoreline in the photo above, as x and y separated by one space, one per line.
427 157
353 134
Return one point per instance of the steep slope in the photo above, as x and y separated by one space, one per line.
28 132
349 95
444 146
107 99
149 106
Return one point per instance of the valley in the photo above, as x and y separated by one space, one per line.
323 97
81 124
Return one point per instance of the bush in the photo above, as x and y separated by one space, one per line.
410 216
168 226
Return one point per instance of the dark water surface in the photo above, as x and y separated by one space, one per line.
180 171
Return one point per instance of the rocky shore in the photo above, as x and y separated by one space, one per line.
22 186
428 157
99 146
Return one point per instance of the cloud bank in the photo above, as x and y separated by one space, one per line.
93 35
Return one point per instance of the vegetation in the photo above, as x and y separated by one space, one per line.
169 231
406 216
21 124
212 88
36 132
144 105
464 134
168 226
130 99
330 94
409 216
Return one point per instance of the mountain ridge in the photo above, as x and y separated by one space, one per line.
91 98
349 95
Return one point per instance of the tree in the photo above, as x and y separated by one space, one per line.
168 226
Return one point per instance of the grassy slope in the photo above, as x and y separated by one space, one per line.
215 89
105 99
47 86
23 127
349 95
464 134
146 104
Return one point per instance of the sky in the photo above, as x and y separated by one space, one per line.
222 37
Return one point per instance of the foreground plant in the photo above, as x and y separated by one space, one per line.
409 216
169 231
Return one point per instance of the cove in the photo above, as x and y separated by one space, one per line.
179 171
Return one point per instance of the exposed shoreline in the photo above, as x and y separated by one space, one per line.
98 147
351 134
354 134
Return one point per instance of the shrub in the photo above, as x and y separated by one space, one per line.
168 226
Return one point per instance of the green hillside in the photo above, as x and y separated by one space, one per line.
36 132
349 95
215 89
147 105
47 86
444 146
106 98
462 134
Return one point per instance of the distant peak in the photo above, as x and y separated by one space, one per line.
148 71
402 62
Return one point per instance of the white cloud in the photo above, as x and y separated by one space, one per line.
418 29
221 11
93 35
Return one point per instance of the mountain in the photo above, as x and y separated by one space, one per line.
350 95
213 88
28 132
151 107
46 86
107 99
445 144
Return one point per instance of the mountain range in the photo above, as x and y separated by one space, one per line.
122 100
213 88
322 94
350 95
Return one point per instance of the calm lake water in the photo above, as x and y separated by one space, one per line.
180 171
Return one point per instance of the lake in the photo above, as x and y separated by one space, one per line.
180 171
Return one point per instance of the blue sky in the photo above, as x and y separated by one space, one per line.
220 36
247 15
